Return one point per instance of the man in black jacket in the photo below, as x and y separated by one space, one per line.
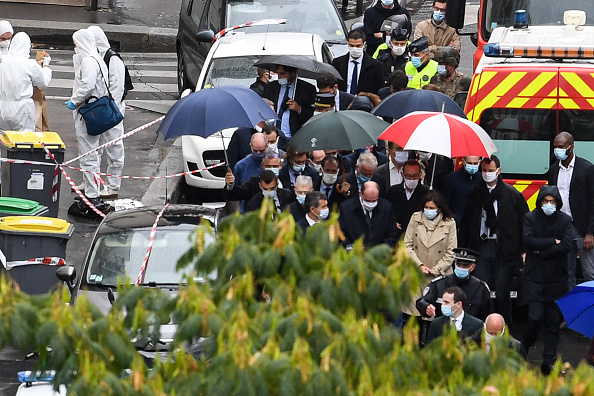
327 83
296 165
293 99
331 184
269 189
359 71
492 225
369 216
373 19
456 185
575 178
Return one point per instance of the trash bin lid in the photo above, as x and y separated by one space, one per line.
18 205
33 224
13 139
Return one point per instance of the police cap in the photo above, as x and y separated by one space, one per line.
419 45
399 34
324 100
465 256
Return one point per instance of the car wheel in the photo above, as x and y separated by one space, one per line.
182 78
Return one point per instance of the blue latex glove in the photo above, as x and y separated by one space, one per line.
70 105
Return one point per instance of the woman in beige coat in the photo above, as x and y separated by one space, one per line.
430 240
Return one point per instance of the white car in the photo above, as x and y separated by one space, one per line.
230 62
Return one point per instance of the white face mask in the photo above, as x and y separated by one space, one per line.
315 113
369 206
398 51
5 44
329 178
258 128
490 177
401 157
283 81
423 156
411 184
273 77
355 52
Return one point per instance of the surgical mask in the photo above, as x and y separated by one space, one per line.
274 170
387 3
401 157
430 213
268 194
447 310
273 77
423 156
258 156
490 337
315 113
324 213
441 70
438 16
416 61
283 81
411 184
329 178
258 128
388 40
369 206
273 147
398 51
549 208
461 273
363 179
318 168
300 198
490 177
5 44
298 168
471 169
355 52
561 154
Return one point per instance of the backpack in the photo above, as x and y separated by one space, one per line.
127 79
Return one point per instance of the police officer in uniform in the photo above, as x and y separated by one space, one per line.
478 302
448 79
395 56
421 68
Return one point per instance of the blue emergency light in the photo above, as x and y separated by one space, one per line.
39 376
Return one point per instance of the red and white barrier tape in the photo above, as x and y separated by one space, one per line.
37 260
140 277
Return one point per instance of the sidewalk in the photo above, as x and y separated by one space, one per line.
136 25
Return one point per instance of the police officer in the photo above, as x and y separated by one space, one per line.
390 24
421 68
448 79
395 56
478 302
324 103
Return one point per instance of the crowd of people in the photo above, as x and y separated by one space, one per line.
468 231
99 71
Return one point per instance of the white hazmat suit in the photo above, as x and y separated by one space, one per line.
115 152
18 75
87 82
5 27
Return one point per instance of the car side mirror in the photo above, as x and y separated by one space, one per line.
460 98
205 36
455 13
474 39
67 274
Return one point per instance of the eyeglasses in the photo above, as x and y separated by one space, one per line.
439 9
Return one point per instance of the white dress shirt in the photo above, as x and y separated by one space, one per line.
309 220
396 176
564 183
457 321
484 229
350 70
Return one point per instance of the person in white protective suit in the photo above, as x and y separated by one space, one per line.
6 33
18 75
115 152
88 81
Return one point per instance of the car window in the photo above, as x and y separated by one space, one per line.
231 71
197 10
305 16
214 15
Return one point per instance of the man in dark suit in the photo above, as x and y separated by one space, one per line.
407 197
369 216
367 72
364 171
453 315
303 186
574 176
296 165
316 206
269 189
494 326
327 83
392 170
294 107
331 184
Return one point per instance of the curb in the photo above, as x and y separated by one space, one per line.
124 37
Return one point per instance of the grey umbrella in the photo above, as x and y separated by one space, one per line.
306 66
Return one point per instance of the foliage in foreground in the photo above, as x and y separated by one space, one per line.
286 315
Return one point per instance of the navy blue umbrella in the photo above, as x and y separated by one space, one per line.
577 307
211 110
404 102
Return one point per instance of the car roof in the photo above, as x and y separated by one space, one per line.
277 43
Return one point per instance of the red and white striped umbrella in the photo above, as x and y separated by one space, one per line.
440 133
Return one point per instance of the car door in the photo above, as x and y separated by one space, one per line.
194 52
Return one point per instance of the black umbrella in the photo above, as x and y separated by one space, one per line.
402 103
306 67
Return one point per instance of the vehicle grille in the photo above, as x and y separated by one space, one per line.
211 158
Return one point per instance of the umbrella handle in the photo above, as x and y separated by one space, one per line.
339 187
295 89
225 151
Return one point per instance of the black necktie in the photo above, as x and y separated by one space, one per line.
328 191
283 106
353 89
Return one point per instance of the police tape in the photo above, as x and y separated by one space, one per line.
142 273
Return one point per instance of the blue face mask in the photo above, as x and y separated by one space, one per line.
258 156
387 3
471 169
549 209
324 213
441 70
461 273
274 170
430 213
438 16
446 310
301 199
561 154
298 168
416 61
363 178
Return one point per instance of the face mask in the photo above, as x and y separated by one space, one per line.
430 213
441 70
471 169
446 310
258 156
5 44
416 61
549 209
300 198
387 3
298 168
318 168
363 178
329 179
273 77
283 81
317 113
461 273
411 184
401 157
274 170
398 51
355 52
268 194
76 50
438 16
489 337
561 154
490 177
258 128
273 147
423 156
369 206
324 213
388 40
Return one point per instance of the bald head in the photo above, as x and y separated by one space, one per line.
494 324
566 136
259 142
370 191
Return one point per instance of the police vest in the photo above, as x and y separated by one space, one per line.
418 80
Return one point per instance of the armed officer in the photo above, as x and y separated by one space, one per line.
478 302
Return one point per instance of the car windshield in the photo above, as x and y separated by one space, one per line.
121 254
305 16
539 12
